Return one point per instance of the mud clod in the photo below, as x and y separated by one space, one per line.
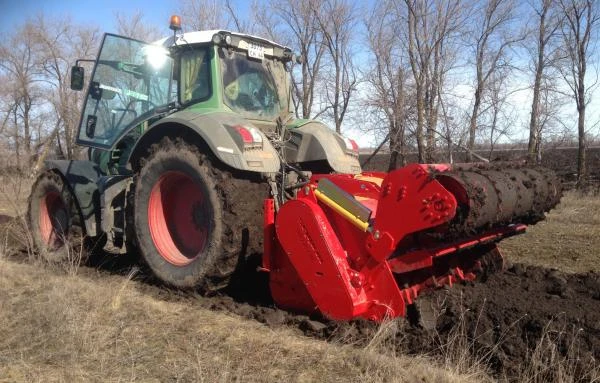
313 328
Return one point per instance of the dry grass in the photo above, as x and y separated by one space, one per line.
569 239
14 190
548 364
59 327
456 353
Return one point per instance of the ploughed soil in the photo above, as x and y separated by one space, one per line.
514 319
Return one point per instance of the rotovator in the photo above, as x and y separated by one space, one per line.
366 245
196 163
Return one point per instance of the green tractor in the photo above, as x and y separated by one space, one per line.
186 138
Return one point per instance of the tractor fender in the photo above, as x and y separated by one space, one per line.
314 141
216 130
82 177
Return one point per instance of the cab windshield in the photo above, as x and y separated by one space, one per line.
131 79
254 88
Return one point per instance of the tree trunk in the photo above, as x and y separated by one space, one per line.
581 168
420 120
533 122
16 136
535 105
393 152
473 124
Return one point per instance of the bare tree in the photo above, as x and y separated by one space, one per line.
388 80
19 62
60 43
549 114
581 21
498 115
135 26
430 26
268 24
492 37
297 19
336 20
543 56
201 15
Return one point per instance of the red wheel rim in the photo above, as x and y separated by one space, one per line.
53 219
178 218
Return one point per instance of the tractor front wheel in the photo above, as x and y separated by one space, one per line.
185 217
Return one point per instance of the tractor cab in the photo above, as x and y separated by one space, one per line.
226 91
134 82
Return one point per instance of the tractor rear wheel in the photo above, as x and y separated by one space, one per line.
188 219
51 215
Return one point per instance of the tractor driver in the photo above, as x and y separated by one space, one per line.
248 85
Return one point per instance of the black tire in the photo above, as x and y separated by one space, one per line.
51 216
227 216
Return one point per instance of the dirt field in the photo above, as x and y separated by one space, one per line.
538 321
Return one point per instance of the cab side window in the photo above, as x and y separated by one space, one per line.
195 75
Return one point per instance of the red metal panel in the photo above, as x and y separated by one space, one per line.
269 233
316 254
410 201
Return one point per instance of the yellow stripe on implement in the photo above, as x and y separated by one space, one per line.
343 212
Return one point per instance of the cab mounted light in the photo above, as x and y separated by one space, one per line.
221 39
175 23
288 55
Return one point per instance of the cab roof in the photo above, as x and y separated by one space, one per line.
199 37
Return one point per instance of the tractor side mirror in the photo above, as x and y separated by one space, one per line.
77 77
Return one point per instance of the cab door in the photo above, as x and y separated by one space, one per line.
130 80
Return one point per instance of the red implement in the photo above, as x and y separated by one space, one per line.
365 246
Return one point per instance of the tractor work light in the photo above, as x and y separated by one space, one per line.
220 38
